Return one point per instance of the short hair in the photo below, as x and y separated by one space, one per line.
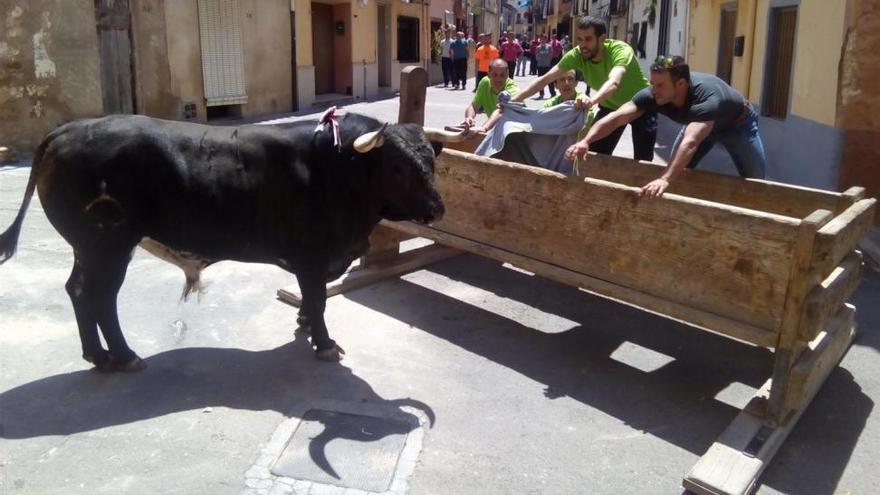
566 73
674 65
597 24
498 63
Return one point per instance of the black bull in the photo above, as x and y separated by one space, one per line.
195 195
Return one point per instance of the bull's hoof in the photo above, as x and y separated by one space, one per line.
333 354
302 321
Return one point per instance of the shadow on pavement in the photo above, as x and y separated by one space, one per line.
281 379
674 402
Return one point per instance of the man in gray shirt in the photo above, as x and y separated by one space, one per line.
711 111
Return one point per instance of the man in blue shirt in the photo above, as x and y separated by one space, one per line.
459 49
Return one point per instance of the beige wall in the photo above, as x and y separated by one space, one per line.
154 95
169 60
50 72
267 56
819 38
363 29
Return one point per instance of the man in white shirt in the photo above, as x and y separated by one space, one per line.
446 59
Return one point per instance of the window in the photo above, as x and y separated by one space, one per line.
222 58
780 59
407 39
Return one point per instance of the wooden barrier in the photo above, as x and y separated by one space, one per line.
769 264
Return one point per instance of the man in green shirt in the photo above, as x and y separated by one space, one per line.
567 86
486 98
611 66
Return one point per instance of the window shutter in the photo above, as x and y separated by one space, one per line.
222 58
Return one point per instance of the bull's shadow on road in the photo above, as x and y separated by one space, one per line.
674 402
284 379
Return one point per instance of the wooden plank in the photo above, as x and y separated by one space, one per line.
722 259
823 352
762 195
838 238
618 293
359 277
827 298
801 280
725 468
468 145
384 245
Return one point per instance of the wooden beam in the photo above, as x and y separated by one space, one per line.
822 355
653 304
762 195
409 261
839 238
800 281
726 468
384 246
827 298
667 247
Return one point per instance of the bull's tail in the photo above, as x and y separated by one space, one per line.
9 239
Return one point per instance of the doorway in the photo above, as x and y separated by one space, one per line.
726 41
113 22
383 50
323 52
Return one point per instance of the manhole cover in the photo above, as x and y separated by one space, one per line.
346 450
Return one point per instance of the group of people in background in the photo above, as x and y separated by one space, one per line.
522 55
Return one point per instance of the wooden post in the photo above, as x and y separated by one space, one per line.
413 87
802 279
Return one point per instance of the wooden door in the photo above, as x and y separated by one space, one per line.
113 23
322 47
725 42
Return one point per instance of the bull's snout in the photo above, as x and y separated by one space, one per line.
436 212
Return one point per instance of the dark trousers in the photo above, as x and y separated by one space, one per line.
533 65
448 71
480 76
511 69
460 77
541 72
644 136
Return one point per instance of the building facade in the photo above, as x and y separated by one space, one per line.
810 68
202 59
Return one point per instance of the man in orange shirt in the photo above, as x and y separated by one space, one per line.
484 55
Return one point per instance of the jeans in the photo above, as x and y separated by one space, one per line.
644 136
447 70
521 63
742 141
460 72
552 86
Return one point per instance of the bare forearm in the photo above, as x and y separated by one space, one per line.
606 91
601 129
680 160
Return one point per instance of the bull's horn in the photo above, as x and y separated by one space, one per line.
367 141
445 136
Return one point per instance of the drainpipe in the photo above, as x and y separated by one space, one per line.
364 65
